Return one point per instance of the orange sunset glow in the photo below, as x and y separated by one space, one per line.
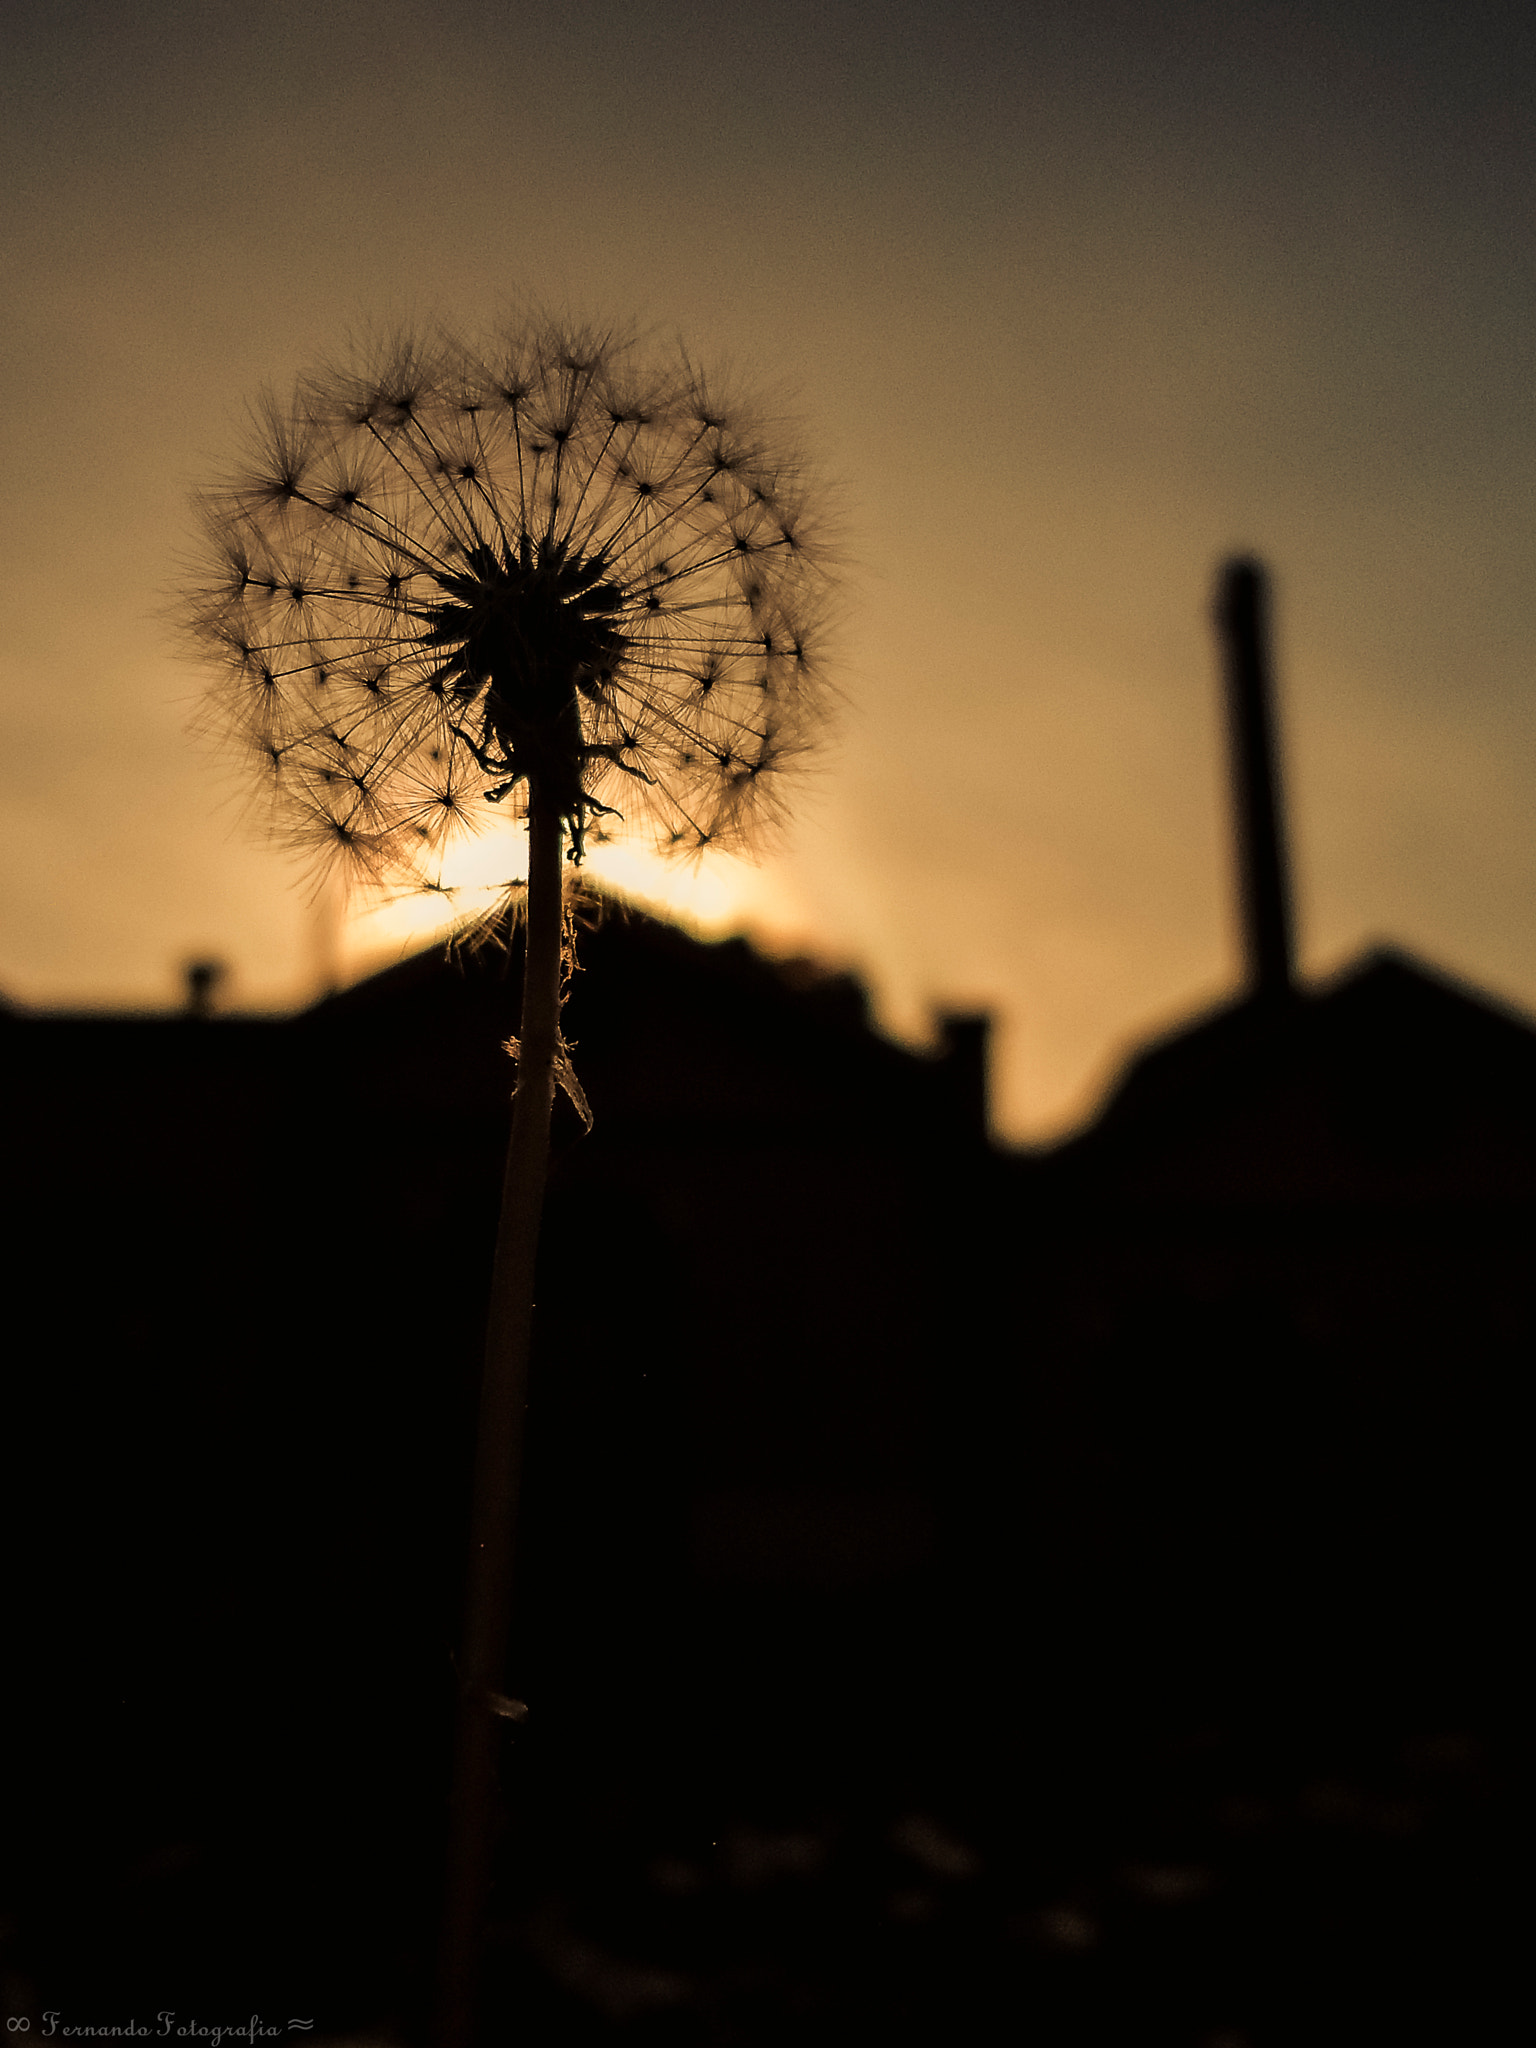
1067 303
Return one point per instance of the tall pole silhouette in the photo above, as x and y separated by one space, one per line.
1264 881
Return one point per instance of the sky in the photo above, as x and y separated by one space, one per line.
1068 302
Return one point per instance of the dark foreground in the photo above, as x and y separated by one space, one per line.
963 1597
754 1861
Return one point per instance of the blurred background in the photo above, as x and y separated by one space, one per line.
1026 1473
1068 300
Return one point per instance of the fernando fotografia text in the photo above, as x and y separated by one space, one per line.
166 2027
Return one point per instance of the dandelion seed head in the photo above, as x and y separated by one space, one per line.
445 577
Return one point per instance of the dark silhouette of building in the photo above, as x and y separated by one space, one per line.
257 1254
1276 1309
854 1437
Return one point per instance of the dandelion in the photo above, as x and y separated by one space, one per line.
551 580
449 584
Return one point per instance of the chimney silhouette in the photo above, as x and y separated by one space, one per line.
1264 881
965 1042
203 978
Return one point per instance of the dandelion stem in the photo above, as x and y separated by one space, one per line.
546 576
499 1442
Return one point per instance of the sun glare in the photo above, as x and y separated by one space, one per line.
718 897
